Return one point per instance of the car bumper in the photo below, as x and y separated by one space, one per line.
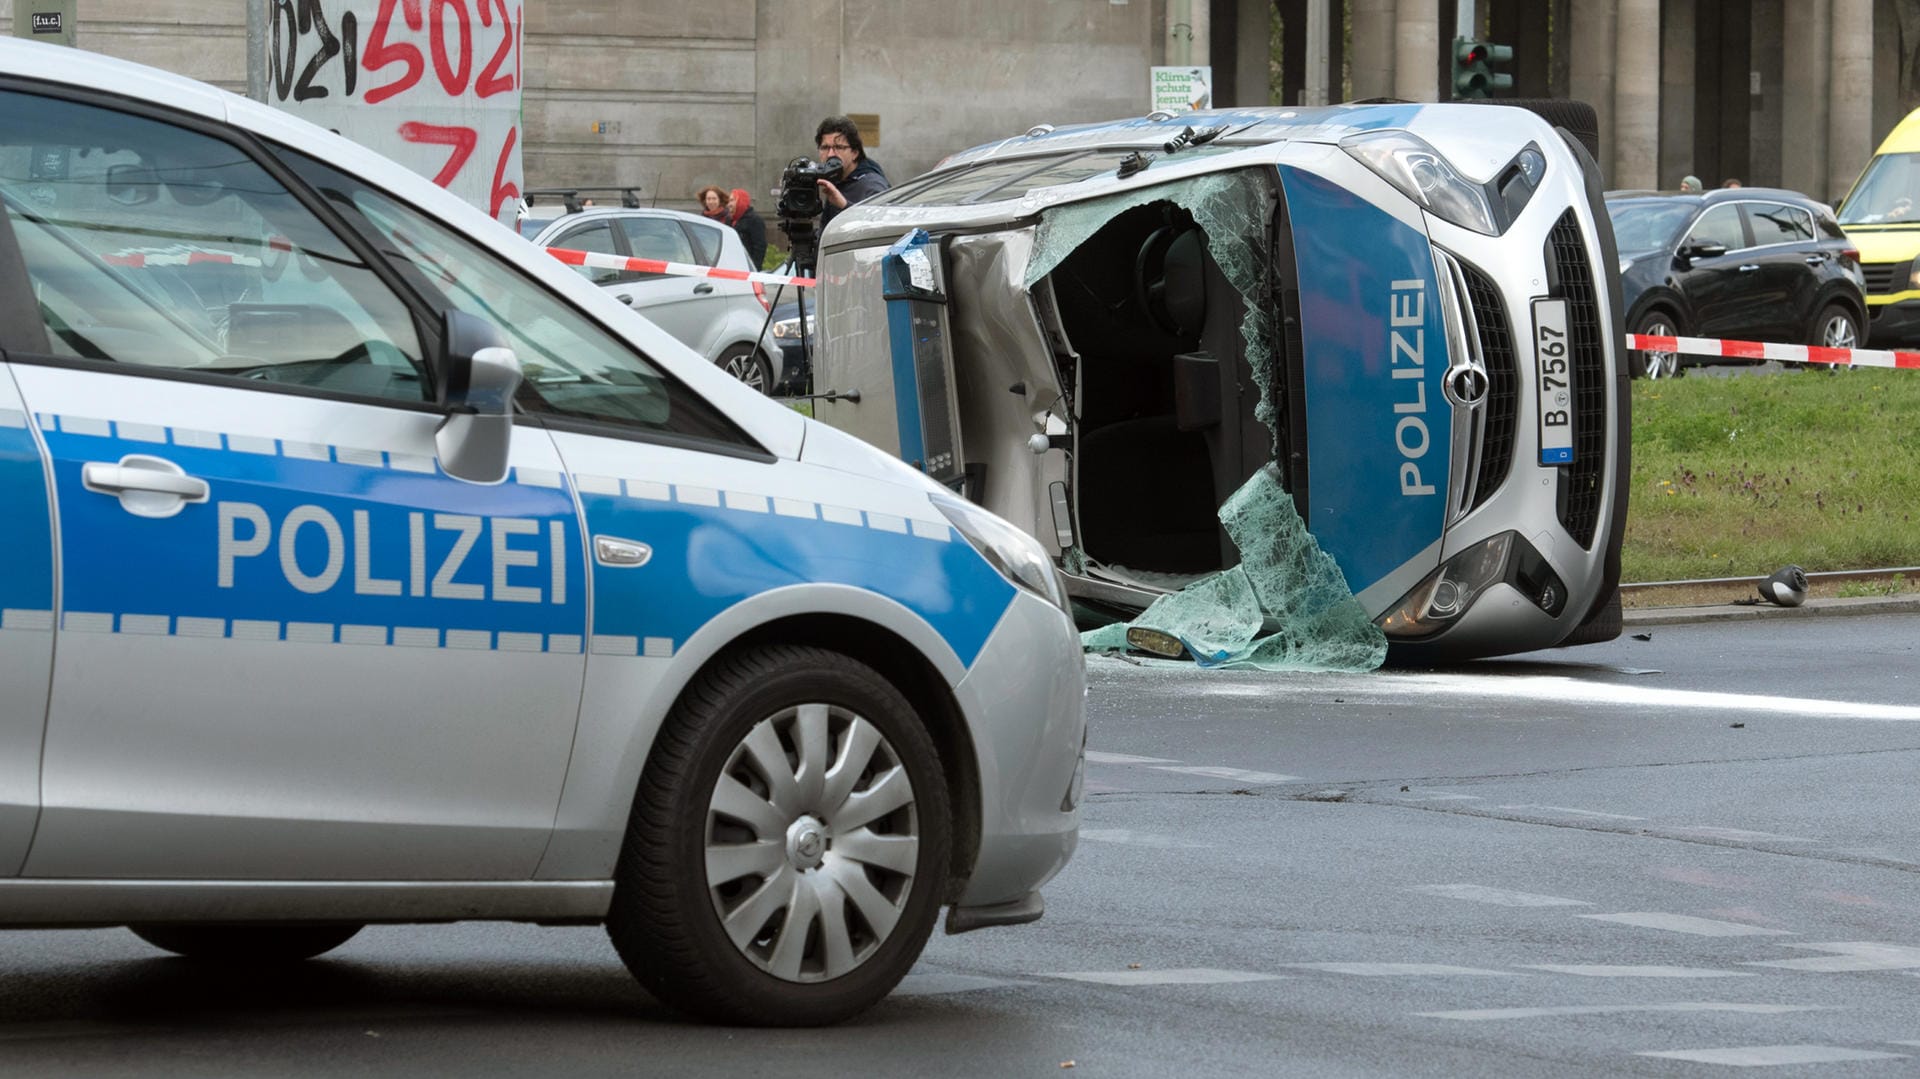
1025 703
1893 324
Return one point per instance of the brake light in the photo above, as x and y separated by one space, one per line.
760 293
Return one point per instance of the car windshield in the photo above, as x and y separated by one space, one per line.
1642 227
1886 193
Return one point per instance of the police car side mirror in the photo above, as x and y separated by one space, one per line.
478 377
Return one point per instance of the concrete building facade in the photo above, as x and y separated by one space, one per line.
670 96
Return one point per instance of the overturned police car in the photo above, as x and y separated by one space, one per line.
1402 318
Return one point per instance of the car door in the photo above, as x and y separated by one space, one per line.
26 604
690 308
1791 269
1717 286
291 646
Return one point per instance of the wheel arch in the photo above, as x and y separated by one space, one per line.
1840 294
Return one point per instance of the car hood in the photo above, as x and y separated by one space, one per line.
1898 243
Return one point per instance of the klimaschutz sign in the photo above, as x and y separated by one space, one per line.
1180 89
432 84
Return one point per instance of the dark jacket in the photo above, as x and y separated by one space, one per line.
748 223
867 181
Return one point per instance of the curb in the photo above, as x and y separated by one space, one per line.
1813 608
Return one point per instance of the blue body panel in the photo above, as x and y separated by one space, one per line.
1375 357
708 558
369 546
26 531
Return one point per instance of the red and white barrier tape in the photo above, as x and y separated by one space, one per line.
674 269
1760 350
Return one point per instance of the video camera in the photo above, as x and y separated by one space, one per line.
800 205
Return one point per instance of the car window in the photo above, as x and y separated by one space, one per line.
1720 225
573 367
659 238
1778 223
1640 227
706 242
597 237
155 246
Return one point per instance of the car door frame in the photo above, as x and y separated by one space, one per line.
1713 285
1789 285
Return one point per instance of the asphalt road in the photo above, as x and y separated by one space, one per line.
1651 857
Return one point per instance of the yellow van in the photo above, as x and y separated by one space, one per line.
1882 217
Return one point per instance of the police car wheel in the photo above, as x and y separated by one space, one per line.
787 854
747 365
245 944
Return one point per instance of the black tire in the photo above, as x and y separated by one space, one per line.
666 919
1656 364
246 945
745 363
1836 327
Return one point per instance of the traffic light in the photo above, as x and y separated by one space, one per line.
1473 73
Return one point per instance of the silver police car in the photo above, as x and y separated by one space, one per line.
364 564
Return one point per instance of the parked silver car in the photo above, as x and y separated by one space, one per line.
725 321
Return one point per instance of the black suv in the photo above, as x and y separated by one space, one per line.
1745 263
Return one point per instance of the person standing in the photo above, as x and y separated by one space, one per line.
1690 185
747 222
860 177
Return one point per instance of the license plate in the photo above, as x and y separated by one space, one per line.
1553 381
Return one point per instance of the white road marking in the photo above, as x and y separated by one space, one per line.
1391 970
1637 972
1682 923
1500 897
1737 834
937 983
1553 687
1187 976
1571 812
1853 955
1138 839
1236 775
1765 1056
1478 1015
1094 756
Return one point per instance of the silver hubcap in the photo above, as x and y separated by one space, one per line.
745 368
812 840
1839 333
1660 364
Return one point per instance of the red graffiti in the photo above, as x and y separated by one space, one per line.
462 139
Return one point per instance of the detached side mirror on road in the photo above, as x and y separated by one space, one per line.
479 375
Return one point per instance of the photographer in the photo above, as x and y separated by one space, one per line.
860 178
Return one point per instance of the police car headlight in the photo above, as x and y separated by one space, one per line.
1446 594
788 329
1018 556
1412 165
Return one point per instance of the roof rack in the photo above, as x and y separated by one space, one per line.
570 196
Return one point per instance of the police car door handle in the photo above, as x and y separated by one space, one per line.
146 486
614 551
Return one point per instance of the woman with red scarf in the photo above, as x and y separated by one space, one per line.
713 203
746 221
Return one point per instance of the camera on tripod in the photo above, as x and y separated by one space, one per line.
800 205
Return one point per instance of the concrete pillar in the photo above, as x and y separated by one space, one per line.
1373 44
1765 112
1805 89
1636 95
1850 105
1317 90
1677 90
1416 51
1253 23
1179 37
1201 13
1590 69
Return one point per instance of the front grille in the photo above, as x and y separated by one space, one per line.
1503 383
1880 276
1580 483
